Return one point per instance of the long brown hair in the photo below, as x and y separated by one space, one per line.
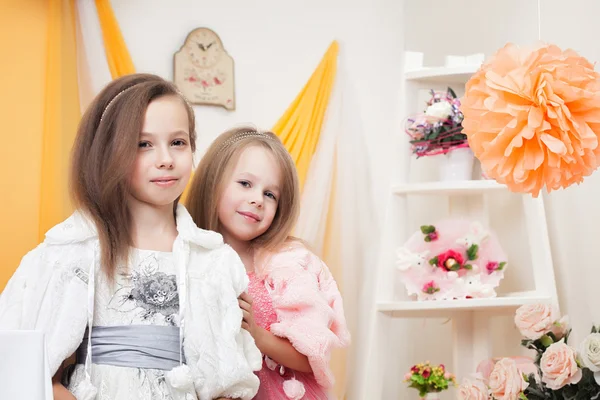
216 167
104 154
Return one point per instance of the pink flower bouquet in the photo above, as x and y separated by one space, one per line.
427 378
439 129
562 372
453 259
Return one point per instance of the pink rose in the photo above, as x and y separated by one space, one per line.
432 236
450 260
430 288
560 328
473 389
559 367
506 381
524 364
535 320
491 266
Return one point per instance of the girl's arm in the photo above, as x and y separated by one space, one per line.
278 349
60 392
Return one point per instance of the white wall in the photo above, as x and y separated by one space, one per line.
276 45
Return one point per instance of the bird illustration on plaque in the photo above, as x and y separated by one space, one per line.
203 71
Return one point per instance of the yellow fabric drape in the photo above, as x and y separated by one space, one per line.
61 113
117 55
300 126
39 113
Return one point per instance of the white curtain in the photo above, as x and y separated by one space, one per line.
338 183
92 65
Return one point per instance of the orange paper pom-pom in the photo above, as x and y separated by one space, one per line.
533 118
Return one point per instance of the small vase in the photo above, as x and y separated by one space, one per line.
457 165
431 396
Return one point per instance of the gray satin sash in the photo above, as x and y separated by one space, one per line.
134 346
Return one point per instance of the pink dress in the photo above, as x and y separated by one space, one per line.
295 296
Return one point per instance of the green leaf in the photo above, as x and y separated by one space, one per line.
501 266
468 267
433 261
528 343
472 252
427 229
418 379
455 267
594 330
427 239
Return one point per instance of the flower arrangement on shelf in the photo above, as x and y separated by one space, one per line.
563 372
453 259
439 129
427 378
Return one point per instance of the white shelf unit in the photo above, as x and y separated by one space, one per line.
442 308
445 75
475 187
470 318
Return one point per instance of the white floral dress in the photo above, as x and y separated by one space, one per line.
145 294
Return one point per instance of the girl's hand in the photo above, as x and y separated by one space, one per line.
278 349
248 323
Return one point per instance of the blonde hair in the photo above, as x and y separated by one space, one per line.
217 165
104 153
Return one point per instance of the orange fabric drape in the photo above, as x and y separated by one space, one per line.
61 113
117 55
40 112
300 126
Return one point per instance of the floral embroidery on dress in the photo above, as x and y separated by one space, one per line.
149 292
156 293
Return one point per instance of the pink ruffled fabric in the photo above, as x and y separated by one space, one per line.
307 309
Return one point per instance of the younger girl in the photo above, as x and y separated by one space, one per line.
146 300
246 188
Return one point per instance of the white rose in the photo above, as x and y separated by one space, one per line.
589 353
441 110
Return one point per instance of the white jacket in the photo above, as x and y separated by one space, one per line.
49 292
